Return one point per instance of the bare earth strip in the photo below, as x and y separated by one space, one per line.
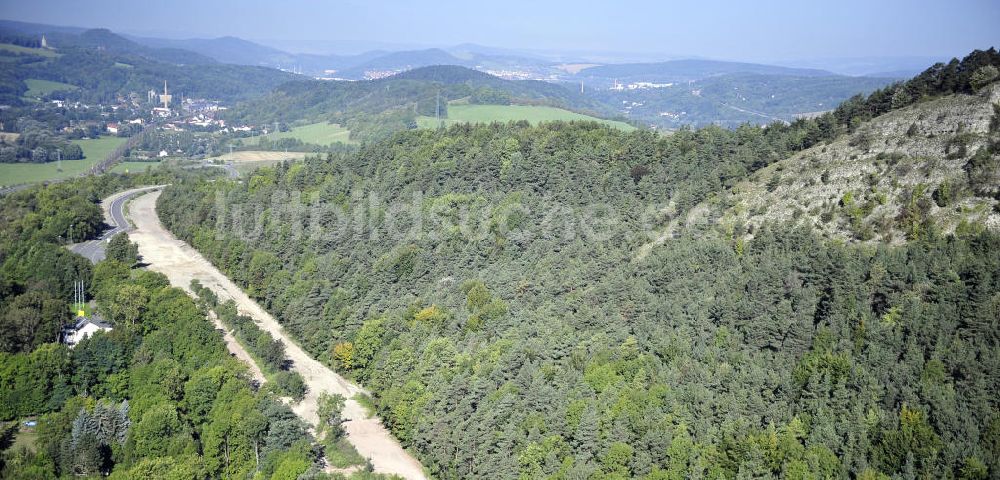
258 156
180 263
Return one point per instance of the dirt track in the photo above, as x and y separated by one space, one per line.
180 263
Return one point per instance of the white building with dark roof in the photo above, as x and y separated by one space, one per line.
83 328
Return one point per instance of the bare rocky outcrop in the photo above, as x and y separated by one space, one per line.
887 179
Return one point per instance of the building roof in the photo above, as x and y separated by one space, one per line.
95 320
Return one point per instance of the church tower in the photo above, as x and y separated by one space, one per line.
166 97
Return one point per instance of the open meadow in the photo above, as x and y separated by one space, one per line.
321 133
248 161
462 113
10 47
37 88
94 150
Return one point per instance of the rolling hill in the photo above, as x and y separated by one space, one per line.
243 52
103 39
102 65
405 60
736 98
224 49
239 51
394 103
702 92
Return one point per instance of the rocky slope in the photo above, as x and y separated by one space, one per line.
897 177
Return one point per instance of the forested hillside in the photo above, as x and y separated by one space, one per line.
485 283
733 99
374 108
104 65
760 94
491 302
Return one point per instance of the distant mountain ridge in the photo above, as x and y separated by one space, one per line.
733 99
520 90
691 69
105 65
405 60
701 92
222 49
29 28
103 39
238 51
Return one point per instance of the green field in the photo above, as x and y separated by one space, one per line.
27 50
459 113
94 150
37 88
321 133
133 167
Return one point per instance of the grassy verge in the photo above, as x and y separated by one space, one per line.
15 435
341 454
366 403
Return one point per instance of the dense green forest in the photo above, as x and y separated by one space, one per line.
158 396
484 283
707 358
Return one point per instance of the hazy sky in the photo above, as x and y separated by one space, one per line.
740 30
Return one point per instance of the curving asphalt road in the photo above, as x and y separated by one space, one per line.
114 215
